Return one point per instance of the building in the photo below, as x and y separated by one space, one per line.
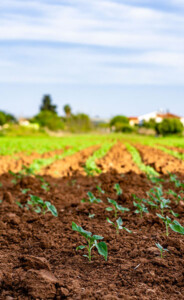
159 116
133 121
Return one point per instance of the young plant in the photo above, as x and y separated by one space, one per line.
39 206
162 250
177 197
166 221
1 184
177 227
118 189
100 190
155 179
91 216
45 186
116 207
24 191
91 242
140 208
177 182
118 225
91 199
164 204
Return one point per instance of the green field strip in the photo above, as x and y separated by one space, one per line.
41 163
90 166
138 161
171 152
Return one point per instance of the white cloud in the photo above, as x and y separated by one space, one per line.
153 38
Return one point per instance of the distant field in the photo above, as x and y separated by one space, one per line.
9 146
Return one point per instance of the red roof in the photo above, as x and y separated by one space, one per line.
168 116
133 118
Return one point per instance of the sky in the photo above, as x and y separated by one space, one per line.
103 57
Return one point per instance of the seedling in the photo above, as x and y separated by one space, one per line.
162 250
116 207
177 227
140 208
166 221
1 184
118 225
118 189
139 200
100 190
177 197
24 191
155 179
164 204
91 242
91 198
177 182
19 204
45 186
39 206
91 216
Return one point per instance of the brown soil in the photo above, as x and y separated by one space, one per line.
38 257
118 158
70 164
159 160
15 164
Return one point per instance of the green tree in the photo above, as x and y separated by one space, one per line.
67 109
169 126
48 119
6 118
149 124
47 104
79 123
119 119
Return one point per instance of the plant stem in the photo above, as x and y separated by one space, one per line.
167 230
89 250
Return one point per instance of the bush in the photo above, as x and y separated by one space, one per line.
123 127
119 119
151 124
6 118
48 119
79 123
169 126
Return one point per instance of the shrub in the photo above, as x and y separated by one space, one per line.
119 119
169 126
48 119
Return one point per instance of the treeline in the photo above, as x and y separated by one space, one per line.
48 119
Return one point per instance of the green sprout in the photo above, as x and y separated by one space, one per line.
162 250
91 242
177 182
155 179
39 206
177 197
91 198
45 186
24 191
100 189
91 216
140 208
118 225
118 189
116 207
156 195
1 184
177 227
166 221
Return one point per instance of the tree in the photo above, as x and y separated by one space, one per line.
48 119
47 104
169 126
119 119
6 118
67 109
79 123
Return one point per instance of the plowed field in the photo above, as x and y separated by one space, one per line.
38 257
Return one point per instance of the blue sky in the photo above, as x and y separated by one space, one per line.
104 57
